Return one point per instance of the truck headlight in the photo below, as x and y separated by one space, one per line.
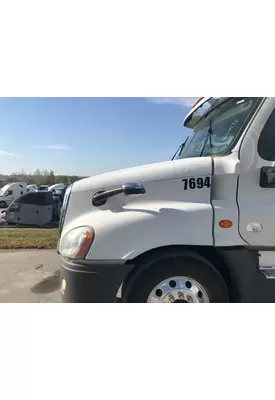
77 242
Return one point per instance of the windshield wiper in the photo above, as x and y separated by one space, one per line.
210 131
180 148
209 136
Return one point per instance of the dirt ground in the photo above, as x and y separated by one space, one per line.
29 276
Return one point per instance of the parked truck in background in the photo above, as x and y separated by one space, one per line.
42 188
197 229
36 208
31 188
11 192
57 186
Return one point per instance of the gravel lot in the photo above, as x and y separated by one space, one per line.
29 276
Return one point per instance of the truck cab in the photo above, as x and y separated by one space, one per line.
31 209
196 229
42 188
11 192
31 188
57 186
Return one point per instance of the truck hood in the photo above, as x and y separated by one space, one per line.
146 173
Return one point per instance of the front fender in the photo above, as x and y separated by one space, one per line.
131 231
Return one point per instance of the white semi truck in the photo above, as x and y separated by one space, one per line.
11 192
197 229
57 186
31 188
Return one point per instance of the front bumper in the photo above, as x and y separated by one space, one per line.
91 281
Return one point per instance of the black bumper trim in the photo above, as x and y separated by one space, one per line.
91 281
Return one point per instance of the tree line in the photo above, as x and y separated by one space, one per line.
44 177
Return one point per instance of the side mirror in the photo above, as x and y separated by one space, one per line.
128 189
267 177
133 188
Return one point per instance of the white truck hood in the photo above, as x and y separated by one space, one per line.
146 173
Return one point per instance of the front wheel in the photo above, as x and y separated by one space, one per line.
182 277
3 204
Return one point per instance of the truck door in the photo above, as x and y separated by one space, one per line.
10 195
256 196
31 211
14 213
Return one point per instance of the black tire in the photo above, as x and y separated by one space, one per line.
162 265
3 204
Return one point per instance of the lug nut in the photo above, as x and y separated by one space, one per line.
171 298
180 294
190 299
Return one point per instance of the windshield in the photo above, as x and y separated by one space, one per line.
58 192
4 190
216 132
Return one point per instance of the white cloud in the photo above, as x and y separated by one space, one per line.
179 101
6 153
57 147
60 147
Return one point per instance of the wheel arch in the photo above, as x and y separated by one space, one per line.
204 253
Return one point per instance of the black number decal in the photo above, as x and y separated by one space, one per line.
192 183
196 183
185 183
207 182
200 183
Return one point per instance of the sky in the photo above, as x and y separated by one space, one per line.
88 136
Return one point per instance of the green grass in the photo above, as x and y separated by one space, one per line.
21 238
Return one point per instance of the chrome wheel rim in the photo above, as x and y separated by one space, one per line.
178 289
